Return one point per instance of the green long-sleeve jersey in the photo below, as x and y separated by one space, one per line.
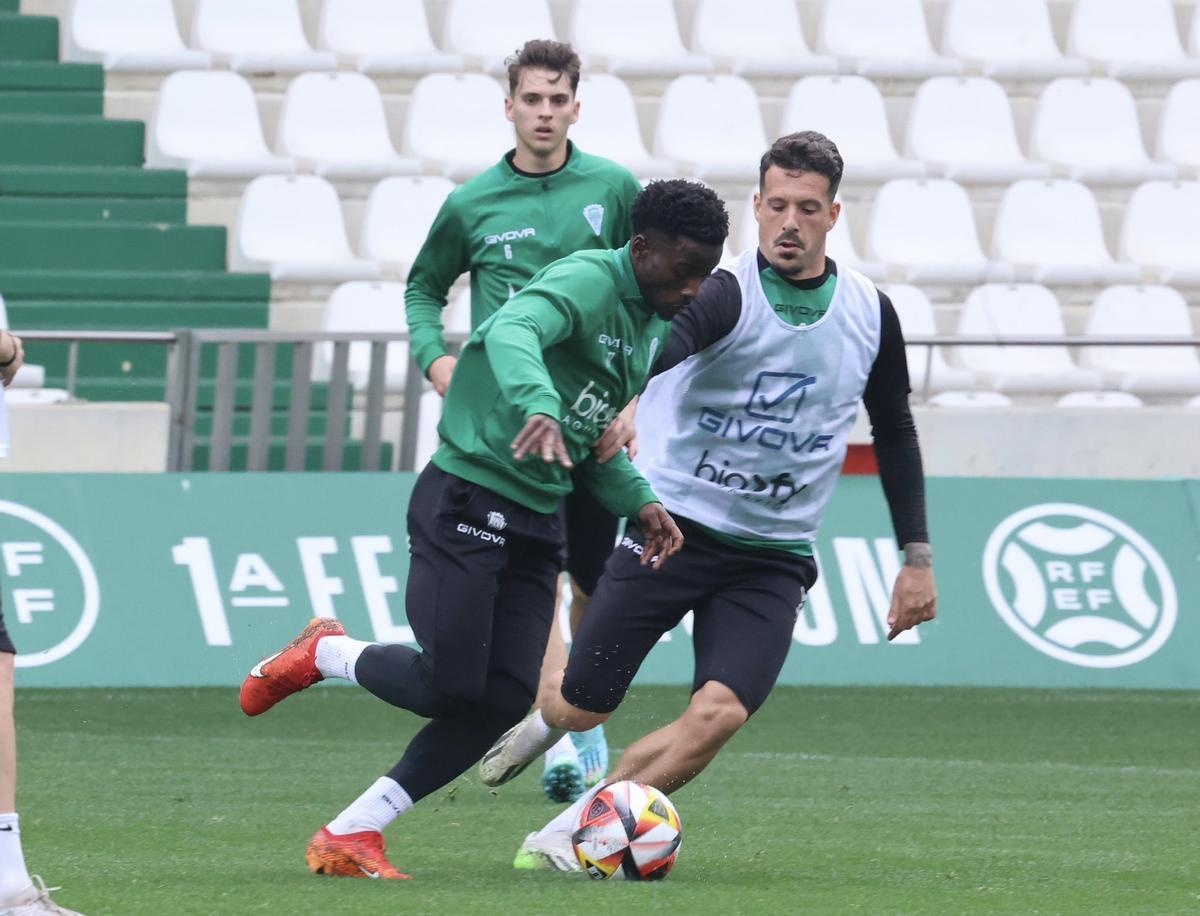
577 344
504 226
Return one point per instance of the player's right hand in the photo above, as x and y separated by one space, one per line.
662 538
440 371
17 353
541 435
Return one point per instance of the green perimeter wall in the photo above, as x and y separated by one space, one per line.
122 580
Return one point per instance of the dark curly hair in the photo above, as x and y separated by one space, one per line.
680 207
806 151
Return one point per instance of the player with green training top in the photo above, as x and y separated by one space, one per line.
544 199
536 386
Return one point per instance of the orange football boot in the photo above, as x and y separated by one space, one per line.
352 855
289 670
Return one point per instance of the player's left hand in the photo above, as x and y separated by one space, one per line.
621 434
661 537
542 436
17 354
914 600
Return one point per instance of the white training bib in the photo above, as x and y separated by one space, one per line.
748 436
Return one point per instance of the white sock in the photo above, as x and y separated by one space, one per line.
563 747
374 809
565 820
534 736
337 656
14 877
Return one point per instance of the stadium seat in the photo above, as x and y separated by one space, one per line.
462 146
1098 399
1194 35
457 316
632 38
608 126
368 308
962 127
128 35
427 434
265 36
850 111
916 319
1050 232
1088 129
383 36
1130 40
485 32
714 149
1179 127
997 311
924 230
1010 40
732 32
291 227
882 39
969 399
1161 231
1143 311
334 124
207 123
397 218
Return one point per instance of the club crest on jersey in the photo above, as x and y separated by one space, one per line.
594 214
497 520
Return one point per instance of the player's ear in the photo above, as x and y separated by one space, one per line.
835 211
575 112
508 107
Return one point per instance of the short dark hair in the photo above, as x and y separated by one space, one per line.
805 151
545 55
681 207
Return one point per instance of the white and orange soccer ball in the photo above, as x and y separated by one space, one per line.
628 830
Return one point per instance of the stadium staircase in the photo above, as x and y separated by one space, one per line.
90 240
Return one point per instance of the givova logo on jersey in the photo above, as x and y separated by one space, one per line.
51 593
1080 585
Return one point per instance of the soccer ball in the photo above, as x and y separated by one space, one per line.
628 830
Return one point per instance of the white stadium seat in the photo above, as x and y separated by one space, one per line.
632 38
1009 40
427 435
383 36
882 39
1194 34
996 311
474 139
727 148
291 227
850 111
397 218
486 32
735 33
129 35
1179 127
264 36
924 230
1143 311
963 127
1130 40
925 375
1161 230
365 307
1103 400
206 122
969 399
1089 129
608 126
1050 232
457 315
334 124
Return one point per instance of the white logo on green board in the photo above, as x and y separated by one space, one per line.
52 596
594 214
1080 585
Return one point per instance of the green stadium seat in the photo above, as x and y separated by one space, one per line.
70 140
28 37
116 246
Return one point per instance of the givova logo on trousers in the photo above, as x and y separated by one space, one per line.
51 594
1079 585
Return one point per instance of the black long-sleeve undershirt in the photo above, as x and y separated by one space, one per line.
715 312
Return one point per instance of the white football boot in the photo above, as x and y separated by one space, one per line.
548 851
513 751
35 901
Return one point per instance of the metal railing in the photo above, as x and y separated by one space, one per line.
367 403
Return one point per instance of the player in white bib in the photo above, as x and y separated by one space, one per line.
743 432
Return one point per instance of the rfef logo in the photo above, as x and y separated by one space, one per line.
1080 585
52 595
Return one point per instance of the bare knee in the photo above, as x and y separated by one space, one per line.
715 714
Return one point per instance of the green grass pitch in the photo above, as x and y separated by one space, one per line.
830 801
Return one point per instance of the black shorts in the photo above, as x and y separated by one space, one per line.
745 605
6 643
591 532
